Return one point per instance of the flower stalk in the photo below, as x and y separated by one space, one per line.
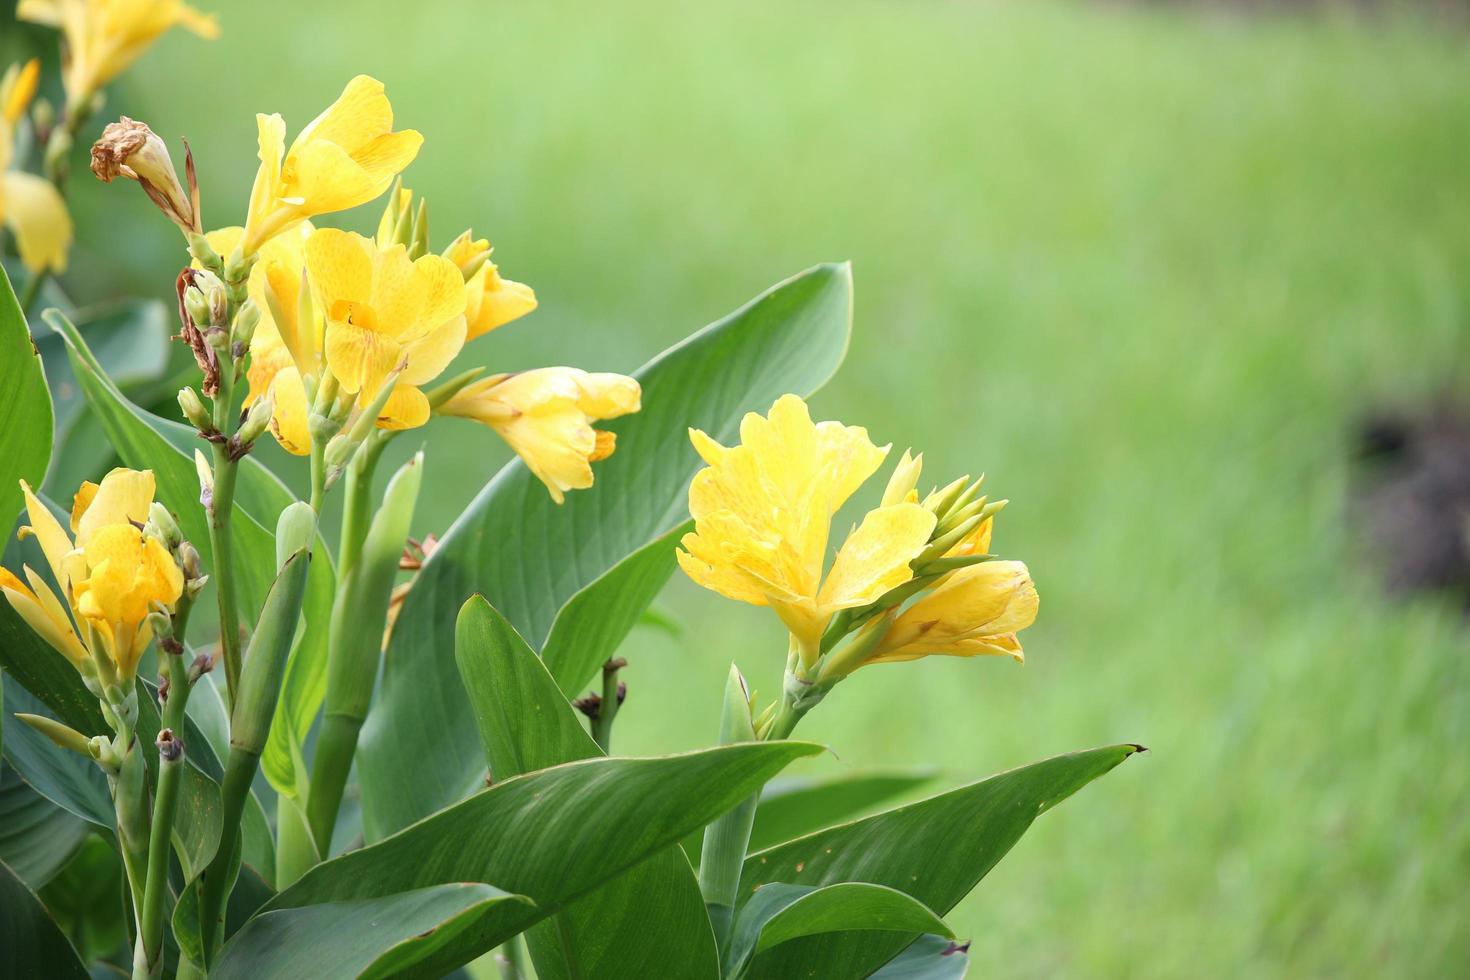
727 838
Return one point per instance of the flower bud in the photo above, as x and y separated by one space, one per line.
192 565
161 524
204 252
62 735
256 419
206 480
161 622
904 479
128 148
247 318
194 410
197 305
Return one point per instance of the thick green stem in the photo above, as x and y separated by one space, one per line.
726 839
130 799
219 877
607 710
336 743
148 961
509 958
357 505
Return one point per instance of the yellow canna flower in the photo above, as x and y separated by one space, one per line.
975 611
546 416
287 345
111 575
491 301
762 514
347 156
104 37
384 312
29 205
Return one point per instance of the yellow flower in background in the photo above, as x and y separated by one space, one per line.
104 37
347 156
287 346
546 416
110 574
30 206
762 515
975 611
491 301
384 312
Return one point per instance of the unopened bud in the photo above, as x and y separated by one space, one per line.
295 529
204 253
206 480
192 565
237 268
193 408
419 243
161 524
257 417
128 148
247 318
940 501
905 477
43 114
339 450
197 303
160 622
395 227
62 735
100 748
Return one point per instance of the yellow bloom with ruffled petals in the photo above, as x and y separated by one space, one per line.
762 516
30 206
976 611
384 312
546 416
490 299
111 575
104 37
347 156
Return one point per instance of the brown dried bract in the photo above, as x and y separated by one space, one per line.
189 333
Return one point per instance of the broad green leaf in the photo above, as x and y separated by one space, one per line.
791 806
375 937
778 913
147 441
552 835
530 557
647 921
65 778
248 895
37 837
928 958
34 945
85 900
129 339
795 805
936 850
596 620
25 405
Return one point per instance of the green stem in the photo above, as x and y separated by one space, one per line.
357 505
130 792
508 958
607 710
218 878
727 838
336 743
149 961
221 541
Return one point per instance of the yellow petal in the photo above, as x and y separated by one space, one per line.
262 219
608 396
493 301
361 114
289 418
339 268
429 355
360 357
406 408
965 612
18 88
875 557
79 503
55 543
709 450
35 212
846 458
123 497
58 634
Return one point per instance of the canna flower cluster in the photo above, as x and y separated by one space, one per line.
30 206
914 578
114 570
348 331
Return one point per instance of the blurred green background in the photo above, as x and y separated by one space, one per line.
1146 268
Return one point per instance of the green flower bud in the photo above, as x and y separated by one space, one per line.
161 524
194 410
256 420
62 735
247 318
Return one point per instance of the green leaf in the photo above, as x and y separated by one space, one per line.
928 958
376 937
795 805
85 899
778 913
34 945
130 341
530 557
590 627
936 850
648 921
37 837
68 780
553 835
147 441
25 405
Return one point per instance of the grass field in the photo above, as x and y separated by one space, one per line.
1144 269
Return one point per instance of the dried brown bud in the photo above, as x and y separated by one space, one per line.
130 149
